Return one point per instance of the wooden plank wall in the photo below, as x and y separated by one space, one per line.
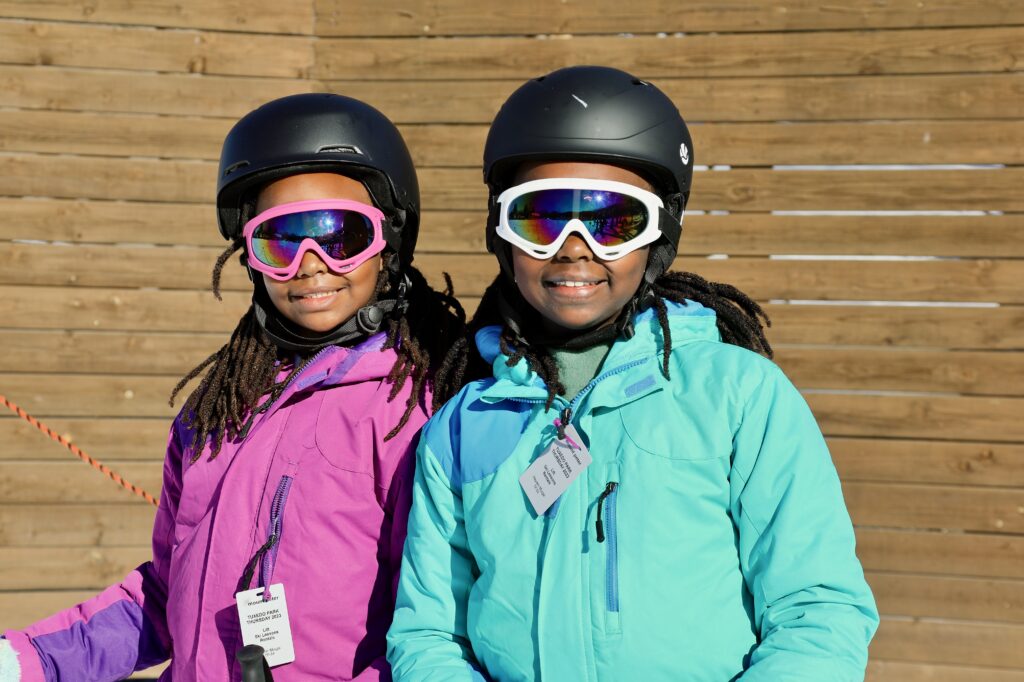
111 117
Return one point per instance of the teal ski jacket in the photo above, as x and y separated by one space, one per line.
725 550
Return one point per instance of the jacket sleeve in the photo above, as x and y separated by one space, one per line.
428 638
813 609
120 630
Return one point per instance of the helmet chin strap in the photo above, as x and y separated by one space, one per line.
286 335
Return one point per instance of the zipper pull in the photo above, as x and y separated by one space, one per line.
561 423
608 490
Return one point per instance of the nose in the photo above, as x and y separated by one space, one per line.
310 265
574 248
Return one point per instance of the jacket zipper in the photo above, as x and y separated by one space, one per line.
609 497
567 411
251 420
275 531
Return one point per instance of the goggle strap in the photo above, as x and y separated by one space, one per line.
671 228
663 251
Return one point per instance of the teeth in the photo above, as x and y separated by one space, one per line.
320 294
572 284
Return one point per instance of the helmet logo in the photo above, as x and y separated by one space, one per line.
684 153
339 149
580 101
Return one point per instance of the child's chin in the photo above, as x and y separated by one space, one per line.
572 321
319 323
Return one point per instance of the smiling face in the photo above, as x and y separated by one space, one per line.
575 290
317 299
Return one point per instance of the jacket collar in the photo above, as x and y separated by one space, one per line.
688 322
337 365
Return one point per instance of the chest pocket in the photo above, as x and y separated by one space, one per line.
345 432
669 426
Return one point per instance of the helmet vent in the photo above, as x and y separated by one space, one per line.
339 149
235 166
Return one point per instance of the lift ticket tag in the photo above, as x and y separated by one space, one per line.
266 623
555 470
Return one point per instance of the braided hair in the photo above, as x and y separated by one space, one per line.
242 380
739 320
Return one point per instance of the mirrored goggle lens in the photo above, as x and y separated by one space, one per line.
341 234
611 218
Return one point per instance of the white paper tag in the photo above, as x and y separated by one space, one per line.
266 623
549 475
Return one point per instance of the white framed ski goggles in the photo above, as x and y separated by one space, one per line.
613 218
343 233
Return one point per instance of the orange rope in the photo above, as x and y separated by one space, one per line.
112 475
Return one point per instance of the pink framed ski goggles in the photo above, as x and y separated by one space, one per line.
343 233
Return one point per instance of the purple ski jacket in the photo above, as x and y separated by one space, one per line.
316 461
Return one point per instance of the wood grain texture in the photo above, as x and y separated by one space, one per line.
900 142
893 505
456 17
91 352
91 395
928 461
922 596
759 234
919 416
122 91
46 568
938 371
32 307
941 552
128 524
949 642
75 482
229 15
108 440
145 49
896 671
110 222
939 327
112 134
847 53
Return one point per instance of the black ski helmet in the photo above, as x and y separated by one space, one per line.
320 132
601 114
